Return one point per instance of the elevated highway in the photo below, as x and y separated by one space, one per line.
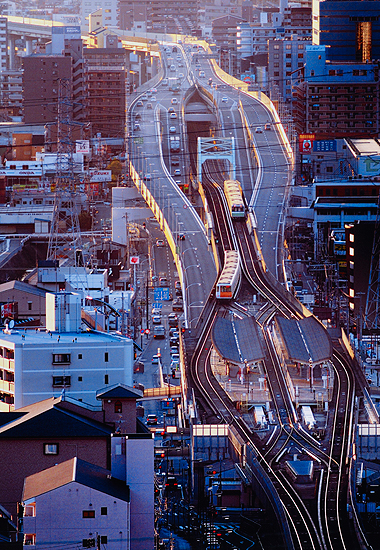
264 167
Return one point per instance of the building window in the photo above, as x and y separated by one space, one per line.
29 539
106 357
79 356
80 379
61 381
61 358
351 251
118 407
88 513
30 510
50 448
352 238
106 378
103 539
103 510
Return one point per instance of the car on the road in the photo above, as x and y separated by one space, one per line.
174 331
181 236
163 281
160 243
138 116
137 127
139 103
153 98
154 90
144 97
181 75
156 311
156 319
165 82
177 284
173 115
171 110
147 177
174 350
173 320
174 101
174 341
178 292
151 420
177 172
155 359
149 105
177 305
172 129
224 99
268 126
259 130
175 357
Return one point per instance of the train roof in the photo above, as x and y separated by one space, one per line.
231 264
233 189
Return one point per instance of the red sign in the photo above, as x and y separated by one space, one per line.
306 142
134 260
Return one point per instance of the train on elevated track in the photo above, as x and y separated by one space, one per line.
234 196
230 276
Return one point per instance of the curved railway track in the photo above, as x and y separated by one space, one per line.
324 525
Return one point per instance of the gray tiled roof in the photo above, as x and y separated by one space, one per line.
47 419
77 470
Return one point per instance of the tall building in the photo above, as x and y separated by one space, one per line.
41 77
337 99
350 28
106 90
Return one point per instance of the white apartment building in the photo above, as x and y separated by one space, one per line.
63 358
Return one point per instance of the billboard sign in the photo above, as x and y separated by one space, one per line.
306 143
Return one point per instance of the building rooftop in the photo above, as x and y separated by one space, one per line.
79 471
119 391
304 339
37 336
47 419
237 340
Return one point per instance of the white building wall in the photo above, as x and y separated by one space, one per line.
88 367
140 478
59 521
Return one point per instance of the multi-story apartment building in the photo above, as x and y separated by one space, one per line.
157 15
106 90
286 60
337 99
110 10
63 358
41 83
350 28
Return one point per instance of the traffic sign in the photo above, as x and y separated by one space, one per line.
161 293
134 260
147 331
142 331
157 306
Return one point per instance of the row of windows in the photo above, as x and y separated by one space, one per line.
65 381
91 513
59 358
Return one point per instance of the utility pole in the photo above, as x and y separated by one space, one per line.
372 311
65 235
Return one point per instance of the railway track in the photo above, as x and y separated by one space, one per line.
324 525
